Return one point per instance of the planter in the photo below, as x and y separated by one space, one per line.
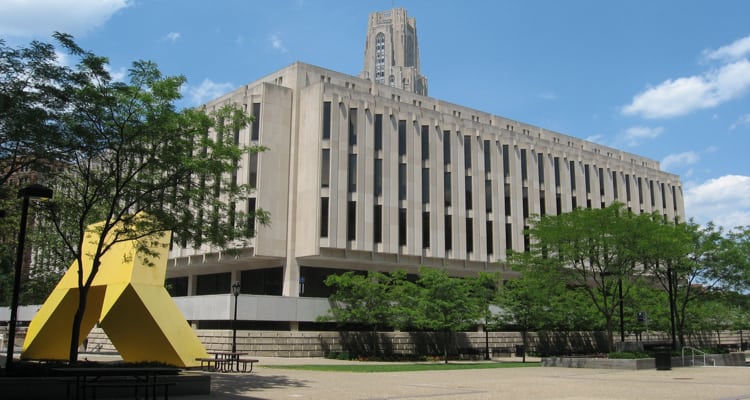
602 363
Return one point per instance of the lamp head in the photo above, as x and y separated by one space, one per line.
35 191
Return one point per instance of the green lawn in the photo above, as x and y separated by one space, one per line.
398 367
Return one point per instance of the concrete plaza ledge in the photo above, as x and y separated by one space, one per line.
711 360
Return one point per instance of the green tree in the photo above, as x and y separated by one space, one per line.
142 167
33 96
443 304
484 289
691 262
368 299
595 249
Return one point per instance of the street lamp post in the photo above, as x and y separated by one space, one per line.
236 292
34 191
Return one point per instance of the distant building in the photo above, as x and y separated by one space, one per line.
368 173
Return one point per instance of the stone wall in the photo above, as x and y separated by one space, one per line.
318 344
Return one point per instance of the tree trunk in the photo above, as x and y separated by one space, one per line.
445 346
76 328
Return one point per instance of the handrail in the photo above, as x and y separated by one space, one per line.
693 350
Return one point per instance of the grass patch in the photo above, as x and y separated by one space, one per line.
368 368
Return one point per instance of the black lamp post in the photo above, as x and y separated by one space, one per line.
236 292
34 191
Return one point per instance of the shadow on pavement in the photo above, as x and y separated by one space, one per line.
243 385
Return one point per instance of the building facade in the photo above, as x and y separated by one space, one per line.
364 175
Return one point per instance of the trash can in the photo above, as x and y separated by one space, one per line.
520 350
663 357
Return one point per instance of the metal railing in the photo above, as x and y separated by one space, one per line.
693 355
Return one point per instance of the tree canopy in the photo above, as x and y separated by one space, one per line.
126 157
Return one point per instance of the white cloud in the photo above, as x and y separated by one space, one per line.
117 75
277 44
679 160
681 96
735 51
207 90
172 36
25 18
724 200
743 120
636 134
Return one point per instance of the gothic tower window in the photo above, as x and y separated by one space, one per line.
380 58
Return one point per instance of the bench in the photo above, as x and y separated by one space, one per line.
225 365
244 362
206 363
131 383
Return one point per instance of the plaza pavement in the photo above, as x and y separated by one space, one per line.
714 383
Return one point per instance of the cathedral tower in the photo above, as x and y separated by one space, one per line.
392 52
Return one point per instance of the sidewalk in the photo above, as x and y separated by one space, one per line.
714 383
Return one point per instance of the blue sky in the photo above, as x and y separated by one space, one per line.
669 80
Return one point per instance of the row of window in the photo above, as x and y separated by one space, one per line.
447 181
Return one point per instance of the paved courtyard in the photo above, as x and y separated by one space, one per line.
715 383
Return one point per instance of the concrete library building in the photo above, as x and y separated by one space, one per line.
370 173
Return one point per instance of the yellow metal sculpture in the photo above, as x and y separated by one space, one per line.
127 299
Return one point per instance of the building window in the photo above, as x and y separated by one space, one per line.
557 172
378 223
352 127
469 235
378 177
425 143
627 187
447 188
507 200
402 227
506 161
213 284
614 184
640 190
446 147
380 58
425 185
255 127
601 182
352 178
587 177
469 200
401 137
325 168
467 151
324 217
490 239
402 181
524 169
351 220
378 132
487 157
326 120
425 230
252 178
651 190
448 233
488 195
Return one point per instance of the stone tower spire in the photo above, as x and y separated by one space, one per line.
392 51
